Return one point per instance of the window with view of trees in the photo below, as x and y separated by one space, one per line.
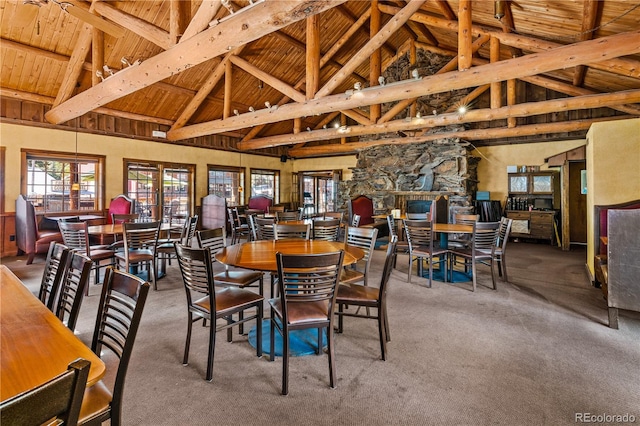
163 191
60 183
266 182
227 182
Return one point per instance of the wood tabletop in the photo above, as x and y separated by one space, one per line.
261 255
35 345
118 228
453 228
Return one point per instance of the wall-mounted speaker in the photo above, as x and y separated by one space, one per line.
283 158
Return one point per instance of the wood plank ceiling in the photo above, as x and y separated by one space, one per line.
278 73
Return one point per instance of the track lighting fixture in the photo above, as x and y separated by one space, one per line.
252 109
99 74
381 81
267 104
236 112
357 86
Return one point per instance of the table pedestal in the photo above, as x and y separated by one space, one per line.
301 342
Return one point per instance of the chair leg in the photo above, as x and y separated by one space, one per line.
185 358
493 273
259 329
332 361
212 347
473 274
503 261
382 334
272 336
285 360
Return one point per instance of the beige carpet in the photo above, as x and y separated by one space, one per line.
537 351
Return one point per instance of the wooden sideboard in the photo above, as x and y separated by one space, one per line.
539 224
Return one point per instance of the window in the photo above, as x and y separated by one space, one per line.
59 182
227 182
319 191
163 191
266 182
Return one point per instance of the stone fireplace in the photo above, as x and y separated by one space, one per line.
392 174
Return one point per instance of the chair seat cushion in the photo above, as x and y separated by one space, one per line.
136 256
352 293
229 299
102 254
351 275
96 400
437 251
301 313
237 277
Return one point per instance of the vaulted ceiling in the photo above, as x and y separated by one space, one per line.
276 73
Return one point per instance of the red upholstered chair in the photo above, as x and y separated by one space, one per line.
121 205
29 238
363 206
260 202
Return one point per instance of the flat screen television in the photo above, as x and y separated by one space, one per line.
418 206
543 204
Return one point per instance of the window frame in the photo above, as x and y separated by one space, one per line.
264 172
161 167
229 169
60 156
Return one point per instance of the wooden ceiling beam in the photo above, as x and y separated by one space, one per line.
200 21
621 66
272 81
465 35
150 32
179 17
480 134
240 28
562 57
347 14
75 64
453 117
590 12
374 43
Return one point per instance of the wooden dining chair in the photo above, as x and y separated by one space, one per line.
423 247
72 288
76 237
401 247
307 294
165 249
208 303
365 239
462 240
484 237
59 399
264 228
119 312
215 240
286 231
140 241
327 229
52 275
287 216
357 295
239 230
499 249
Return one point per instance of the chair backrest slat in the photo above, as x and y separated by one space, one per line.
72 286
264 228
485 234
53 273
283 231
326 229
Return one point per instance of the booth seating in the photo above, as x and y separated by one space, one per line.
601 230
29 237
363 206
260 202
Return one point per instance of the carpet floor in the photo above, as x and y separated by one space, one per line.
536 351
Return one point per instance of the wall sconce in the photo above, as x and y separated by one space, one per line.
498 9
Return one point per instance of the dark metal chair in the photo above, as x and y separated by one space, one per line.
371 297
307 295
327 229
59 398
208 303
365 239
485 235
52 274
286 231
72 288
422 246
119 312
140 241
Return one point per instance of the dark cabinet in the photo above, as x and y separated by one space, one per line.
533 224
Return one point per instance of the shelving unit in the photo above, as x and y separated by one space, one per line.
533 203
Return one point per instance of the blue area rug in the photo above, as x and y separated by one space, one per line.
457 277
301 342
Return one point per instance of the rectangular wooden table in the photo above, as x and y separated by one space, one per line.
35 345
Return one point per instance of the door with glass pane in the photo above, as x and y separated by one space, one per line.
143 185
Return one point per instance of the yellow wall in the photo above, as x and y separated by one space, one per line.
16 137
492 169
613 169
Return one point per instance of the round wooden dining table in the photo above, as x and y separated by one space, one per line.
261 255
